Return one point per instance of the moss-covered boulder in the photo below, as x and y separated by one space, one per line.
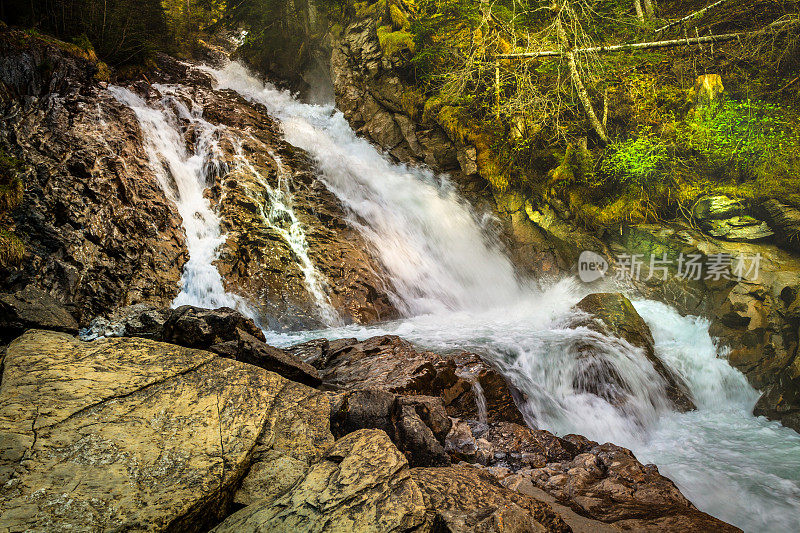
613 314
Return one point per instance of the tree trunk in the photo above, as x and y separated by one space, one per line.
632 46
575 76
649 10
639 12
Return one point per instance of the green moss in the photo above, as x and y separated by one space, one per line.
11 190
399 19
12 251
394 42
371 10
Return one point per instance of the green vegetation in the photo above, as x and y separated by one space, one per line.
120 32
11 189
742 149
743 140
636 162
531 130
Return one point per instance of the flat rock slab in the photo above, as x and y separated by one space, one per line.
125 434
362 484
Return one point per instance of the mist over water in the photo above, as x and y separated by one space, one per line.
458 291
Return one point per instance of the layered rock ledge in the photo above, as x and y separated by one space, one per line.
133 434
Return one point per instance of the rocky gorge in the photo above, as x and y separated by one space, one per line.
321 394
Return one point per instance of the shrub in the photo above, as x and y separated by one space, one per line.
742 140
636 162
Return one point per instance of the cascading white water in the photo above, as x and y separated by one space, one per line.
185 175
459 291
437 255
277 212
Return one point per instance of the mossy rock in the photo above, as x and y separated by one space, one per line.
12 251
399 18
395 42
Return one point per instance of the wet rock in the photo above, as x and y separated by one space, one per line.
781 401
742 229
312 352
507 444
363 481
717 208
613 314
253 351
196 327
461 499
140 320
228 333
423 449
122 432
601 482
396 366
416 424
32 308
99 232
273 194
607 483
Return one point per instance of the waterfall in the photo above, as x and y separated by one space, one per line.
459 291
480 397
185 174
431 244
276 211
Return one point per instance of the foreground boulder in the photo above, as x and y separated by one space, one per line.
130 434
224 331
362 484
417 425
462 499
118 433
612 314
605 482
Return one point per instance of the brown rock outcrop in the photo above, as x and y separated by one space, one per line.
393 364
97 228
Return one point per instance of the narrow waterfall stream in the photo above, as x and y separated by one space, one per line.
184 175
458 291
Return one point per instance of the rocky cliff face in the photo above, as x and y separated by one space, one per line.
374 91
756 317
97 228
101 233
